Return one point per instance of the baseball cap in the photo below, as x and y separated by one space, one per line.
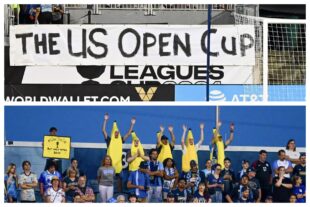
112 200
244 189
164 137
55 178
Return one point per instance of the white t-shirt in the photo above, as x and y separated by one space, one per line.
285 164
27 194
292 155
55 196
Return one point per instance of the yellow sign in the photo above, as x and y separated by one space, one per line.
56 147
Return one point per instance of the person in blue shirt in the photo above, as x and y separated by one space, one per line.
299 189
201 194
216 185
193 177
45 16
155 172
139 182
245 196
46 177
10 181
180 193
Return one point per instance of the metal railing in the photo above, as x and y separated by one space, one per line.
158 7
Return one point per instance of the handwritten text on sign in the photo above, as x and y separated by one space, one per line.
130 44
56 147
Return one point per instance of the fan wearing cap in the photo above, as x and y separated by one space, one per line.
189 149
136 153
254 185
55 194
236 193
193 177
139 182
217 141
163 146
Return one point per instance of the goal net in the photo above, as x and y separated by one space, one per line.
279 73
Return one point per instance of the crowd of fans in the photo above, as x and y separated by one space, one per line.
155 178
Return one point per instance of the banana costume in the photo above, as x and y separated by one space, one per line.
115 149
165 151
220 150
134 165
190 154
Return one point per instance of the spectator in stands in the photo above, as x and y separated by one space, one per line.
58 12
208 170
45 15
11 182
156 173
291 153
132 198
282 186
139 182
282 161
55 194
269 199
115 146
228 176
193 177
215 185
105 177
27 182
170 198
70 184
163 146
202 194
236 194
293 198
136 154
299 189
83 193
219 144
46 177
181 194
300 169
245 166
73 166
53 132
120 199
171 176
263 173
254 185
189 149
245 195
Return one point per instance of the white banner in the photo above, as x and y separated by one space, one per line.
134 74
131 44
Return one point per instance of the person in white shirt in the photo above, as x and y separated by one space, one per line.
55 194
282 161
291 153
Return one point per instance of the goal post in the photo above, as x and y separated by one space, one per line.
279 73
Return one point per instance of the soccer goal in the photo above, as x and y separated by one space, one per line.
279 73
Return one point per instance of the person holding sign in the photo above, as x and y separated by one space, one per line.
136 154
189 149
217 141
163 146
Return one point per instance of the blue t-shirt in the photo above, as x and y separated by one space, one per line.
155 166
195 178
139 178
212 180
201 198
46 8
46 178
11 186
181 196
300 190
